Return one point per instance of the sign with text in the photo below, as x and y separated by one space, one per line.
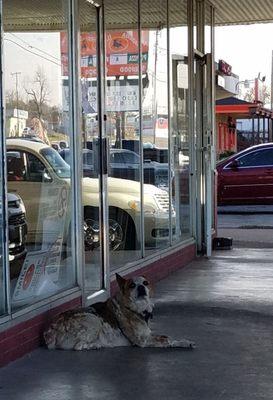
121 53
118 98
30 276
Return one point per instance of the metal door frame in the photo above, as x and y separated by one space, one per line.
202 123
75 90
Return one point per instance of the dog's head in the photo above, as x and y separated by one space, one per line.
136 293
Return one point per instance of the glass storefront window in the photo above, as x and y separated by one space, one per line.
123 132
179 117
2 245
91 147
37 125
155 131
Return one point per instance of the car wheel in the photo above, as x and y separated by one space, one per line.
122 232
91 231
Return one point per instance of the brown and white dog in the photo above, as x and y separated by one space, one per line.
120 321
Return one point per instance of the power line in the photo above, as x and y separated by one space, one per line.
33 47
32 52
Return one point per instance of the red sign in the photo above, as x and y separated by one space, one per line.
28 276
225 67
121 53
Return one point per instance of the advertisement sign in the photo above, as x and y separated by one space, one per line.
121 53
224 67
54 259
30 276
259 90
53 233
39 274
118 98
161 128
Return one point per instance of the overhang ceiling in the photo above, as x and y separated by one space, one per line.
27 15
237 12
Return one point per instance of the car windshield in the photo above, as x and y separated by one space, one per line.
59 166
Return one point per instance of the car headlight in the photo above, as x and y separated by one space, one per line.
136 206
22 206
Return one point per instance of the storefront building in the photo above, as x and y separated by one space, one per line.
241 124
113 83
126 88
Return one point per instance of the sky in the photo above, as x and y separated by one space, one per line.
248 48
23 60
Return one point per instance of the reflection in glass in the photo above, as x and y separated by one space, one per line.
90 143
122 109
155 130
179 122
37 122
2 276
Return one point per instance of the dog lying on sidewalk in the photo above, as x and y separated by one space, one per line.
121 321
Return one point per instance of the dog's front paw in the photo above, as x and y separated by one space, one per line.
183 343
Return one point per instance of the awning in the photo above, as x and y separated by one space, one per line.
26 15
236 12
242 109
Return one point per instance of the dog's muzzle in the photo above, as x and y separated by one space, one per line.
141 291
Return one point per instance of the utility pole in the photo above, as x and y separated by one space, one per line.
272 80
17 99
155 94
270 122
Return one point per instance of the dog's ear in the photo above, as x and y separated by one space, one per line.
121 282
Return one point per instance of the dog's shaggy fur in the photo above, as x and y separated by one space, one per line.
121 321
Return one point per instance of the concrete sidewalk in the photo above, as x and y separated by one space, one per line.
224 304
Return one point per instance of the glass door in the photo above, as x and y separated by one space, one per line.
181 147
204 125
93 152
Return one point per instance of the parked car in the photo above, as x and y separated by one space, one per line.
56 146
87 159
124 164
17 227
37 168
247 177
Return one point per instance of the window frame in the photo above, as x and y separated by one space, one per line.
227 167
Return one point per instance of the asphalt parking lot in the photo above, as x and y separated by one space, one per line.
249 226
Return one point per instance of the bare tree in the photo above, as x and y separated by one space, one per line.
13 102
250 95
39 93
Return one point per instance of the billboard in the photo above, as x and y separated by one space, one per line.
121 53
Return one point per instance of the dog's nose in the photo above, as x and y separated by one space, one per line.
141 291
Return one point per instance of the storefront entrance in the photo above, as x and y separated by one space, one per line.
108 138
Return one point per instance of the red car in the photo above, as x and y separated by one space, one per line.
247 177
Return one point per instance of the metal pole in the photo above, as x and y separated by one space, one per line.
5 291
253 131
17 99
155 77
258 130
270 127
140 93
272 80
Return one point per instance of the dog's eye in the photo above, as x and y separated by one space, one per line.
132 285
145 283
